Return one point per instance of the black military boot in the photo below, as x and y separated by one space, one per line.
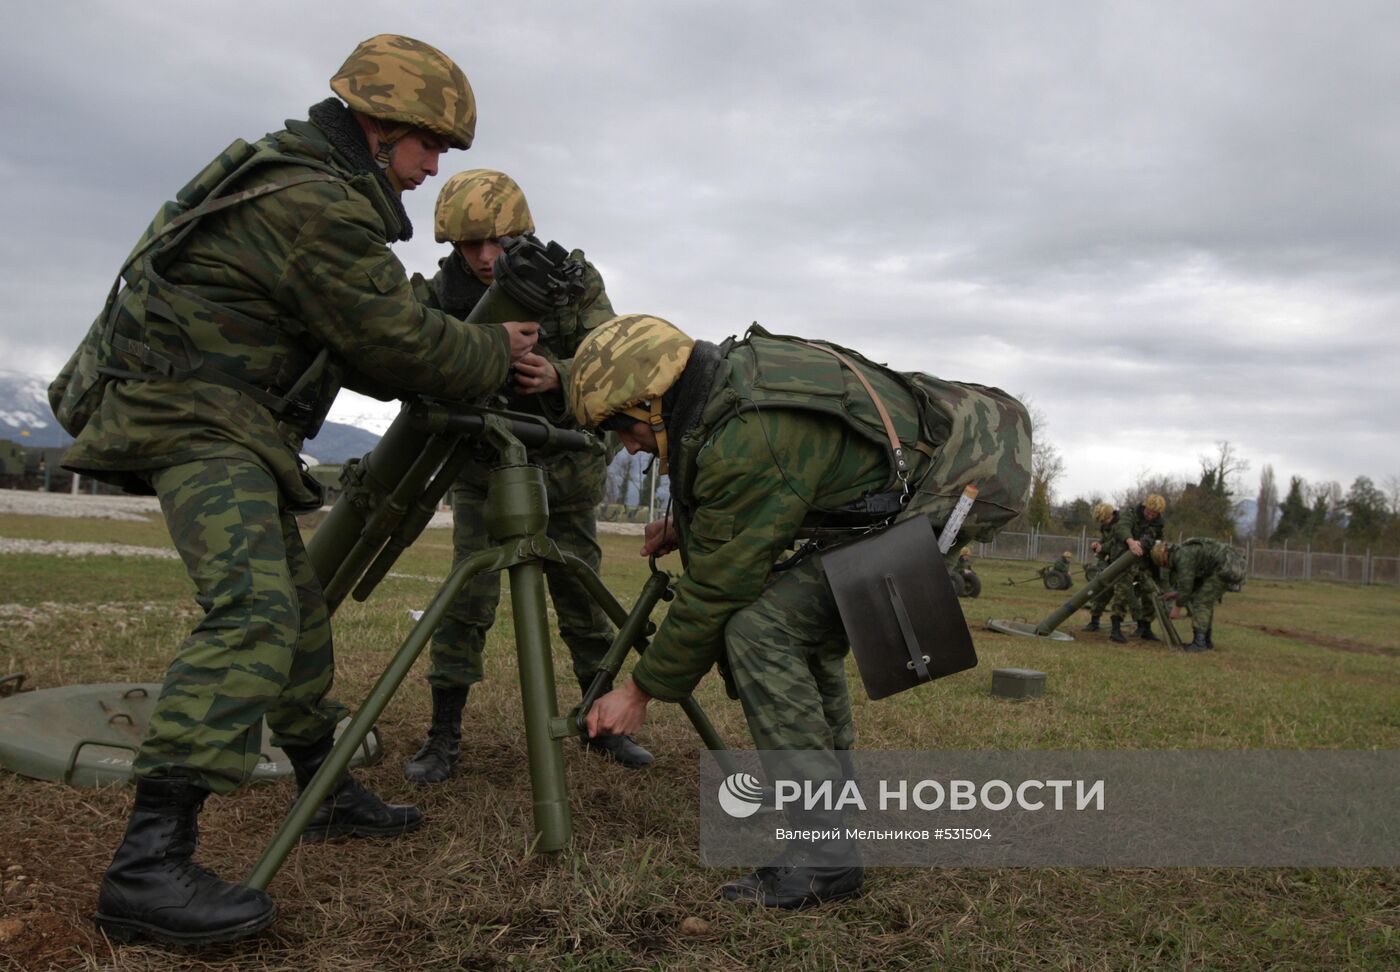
1198 643
1210 637
350 810
809 874
438 758
1144 631
622 750
1115 632
1093 624
155 890
793 887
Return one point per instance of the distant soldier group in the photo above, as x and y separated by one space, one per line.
1119 532
1196 573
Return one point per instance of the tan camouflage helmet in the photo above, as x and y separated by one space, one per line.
392 78
481 204
625 362
1160 550
1101 512
1155 502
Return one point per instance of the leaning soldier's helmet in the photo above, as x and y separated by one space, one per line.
1101 512
392 78
481 204
1068 555
625 362
1155 502
1159 553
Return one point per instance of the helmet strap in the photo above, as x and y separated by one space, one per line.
389 134
651 415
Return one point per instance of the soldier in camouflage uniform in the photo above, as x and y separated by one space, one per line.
1136 531
1105 516
757 434
1198 572
199 382
475 209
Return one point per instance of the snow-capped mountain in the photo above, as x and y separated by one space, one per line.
25 418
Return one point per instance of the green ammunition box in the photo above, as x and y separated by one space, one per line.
1017 684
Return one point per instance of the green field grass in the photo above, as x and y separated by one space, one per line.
1299 665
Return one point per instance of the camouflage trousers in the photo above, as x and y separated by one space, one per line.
263 647
787 654
1131 597
1099 602
458 645
1202 601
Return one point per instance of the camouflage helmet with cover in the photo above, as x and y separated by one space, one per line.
481 204
392 78
1160 550
626 362
1101 512
1155 503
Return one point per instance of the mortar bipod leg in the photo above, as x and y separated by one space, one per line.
339 758
633 630
540 704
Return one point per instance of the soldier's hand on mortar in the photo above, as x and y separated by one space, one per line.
523 335
534 375
1135 547
1175 612
660 538
619 713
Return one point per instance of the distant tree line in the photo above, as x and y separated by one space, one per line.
1318 515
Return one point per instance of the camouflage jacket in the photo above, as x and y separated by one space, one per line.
1131 524
574 480
1196 560
786 429
1149 531
301 273
1113 537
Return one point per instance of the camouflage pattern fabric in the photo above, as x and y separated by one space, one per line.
1200 571
263 647
753 483
260 288
787 428
626 361
399 79
1099 602
574 484
1131 598
1061 566
972 434
481 204
787 656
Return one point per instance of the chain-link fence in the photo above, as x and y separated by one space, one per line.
1271 564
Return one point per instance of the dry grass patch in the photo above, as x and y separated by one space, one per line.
470 891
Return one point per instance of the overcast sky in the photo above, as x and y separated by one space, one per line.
1165 225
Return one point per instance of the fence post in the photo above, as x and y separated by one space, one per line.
1307 561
